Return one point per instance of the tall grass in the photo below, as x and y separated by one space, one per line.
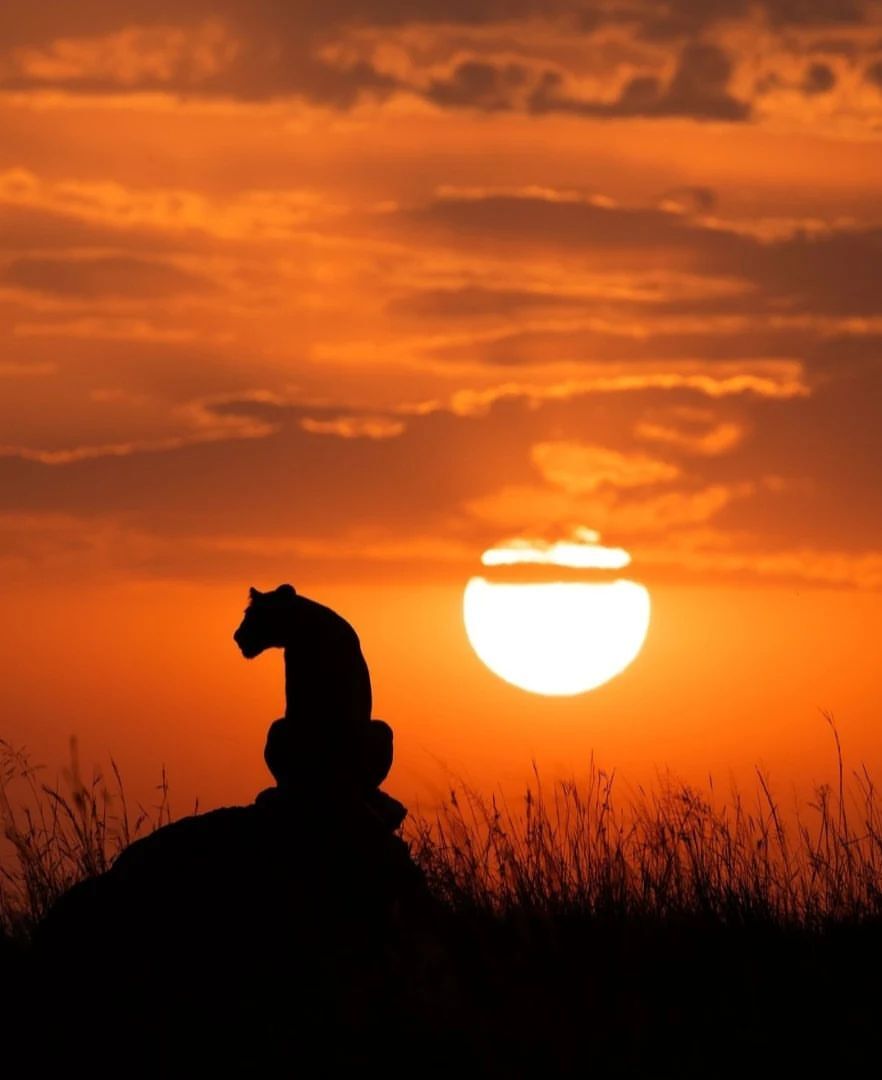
669 854
57 835
673 853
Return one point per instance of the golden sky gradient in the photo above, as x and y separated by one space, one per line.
345 294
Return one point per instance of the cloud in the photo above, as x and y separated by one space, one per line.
698 88
264 18
873 73
579 469
621 520
476 301
203 424
567 219
819 79
480 84
116 211
499 287
772 380
119 275
679 17
689 199
211 56
827 447
829 269
134 56
624 339
525 55
717 438
817 12
46 227
354 427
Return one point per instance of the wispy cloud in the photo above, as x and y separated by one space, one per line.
716 438
579 469
354 427
266 214
775 379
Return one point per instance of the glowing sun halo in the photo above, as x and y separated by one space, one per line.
556 637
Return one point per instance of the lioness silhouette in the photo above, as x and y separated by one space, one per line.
326 676
327 739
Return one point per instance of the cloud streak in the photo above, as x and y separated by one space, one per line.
519 56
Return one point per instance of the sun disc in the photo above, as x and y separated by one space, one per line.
556 638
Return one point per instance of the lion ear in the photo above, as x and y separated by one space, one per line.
287 590
254 593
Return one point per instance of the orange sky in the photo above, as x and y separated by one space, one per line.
345 295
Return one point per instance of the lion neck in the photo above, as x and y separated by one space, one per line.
329 686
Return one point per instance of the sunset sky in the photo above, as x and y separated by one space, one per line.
343 294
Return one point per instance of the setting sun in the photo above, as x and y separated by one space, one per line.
556 637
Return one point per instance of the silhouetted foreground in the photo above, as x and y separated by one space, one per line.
290 929
299 936
249 933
